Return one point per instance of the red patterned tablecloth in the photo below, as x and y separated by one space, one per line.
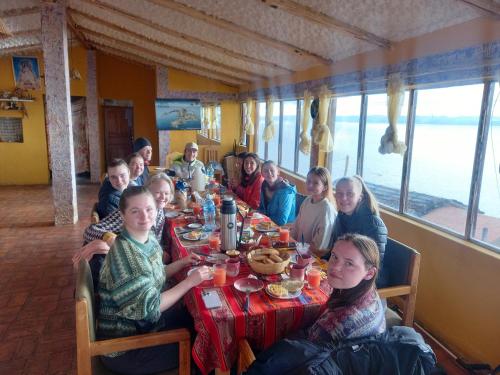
268 320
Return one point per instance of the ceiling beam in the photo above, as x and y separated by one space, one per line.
19 11
140 49
23 48
74 28
25 33
330 22
153 62
164 46
240 30
185 37
489 7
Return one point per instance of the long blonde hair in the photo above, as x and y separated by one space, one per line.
326 179
366 195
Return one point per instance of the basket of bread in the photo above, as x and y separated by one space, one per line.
268 261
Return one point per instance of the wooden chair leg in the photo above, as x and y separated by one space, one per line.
184 357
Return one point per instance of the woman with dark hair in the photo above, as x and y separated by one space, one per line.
251 181
131 289
358 213
354 308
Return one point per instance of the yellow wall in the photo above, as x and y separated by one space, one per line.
27 163
459 287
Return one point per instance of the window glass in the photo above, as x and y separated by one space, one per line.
443 154
488 217
344 157
243 140
218 120
304 160
273 144
382 172
289 135
261 145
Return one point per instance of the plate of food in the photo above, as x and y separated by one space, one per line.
188 210
266 227
191 270
257 215
285 290
195 236
171 214
194 226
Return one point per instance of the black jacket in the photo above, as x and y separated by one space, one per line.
398 351
109 199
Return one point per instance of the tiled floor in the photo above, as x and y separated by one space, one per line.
37 326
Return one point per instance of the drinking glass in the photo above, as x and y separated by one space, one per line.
313 277
284 235
233 267
214 242
219 274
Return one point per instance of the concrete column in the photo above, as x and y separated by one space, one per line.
94 135
162 92
58 107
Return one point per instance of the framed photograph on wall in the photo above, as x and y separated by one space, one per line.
178 114
26 72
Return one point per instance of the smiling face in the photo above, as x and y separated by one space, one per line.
315 186
190 154
348 196
136 167
146 153
140 214
250 165
270 172
119 177
347 267
161 193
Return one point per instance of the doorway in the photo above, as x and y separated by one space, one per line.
118 131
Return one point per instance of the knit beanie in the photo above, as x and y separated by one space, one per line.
140 143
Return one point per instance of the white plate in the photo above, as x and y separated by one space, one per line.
195 268
257 215
203 236
171 214
194 225
188 210
289 296
261 228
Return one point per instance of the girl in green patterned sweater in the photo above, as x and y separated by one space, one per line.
132 300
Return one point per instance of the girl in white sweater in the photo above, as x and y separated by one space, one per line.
314 224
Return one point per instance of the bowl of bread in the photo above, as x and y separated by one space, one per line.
268 261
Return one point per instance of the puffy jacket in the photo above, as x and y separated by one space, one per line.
365 222
109 199
281 208
398 351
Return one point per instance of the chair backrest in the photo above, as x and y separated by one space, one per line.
211 153
85 292
299 199
401 267
94 215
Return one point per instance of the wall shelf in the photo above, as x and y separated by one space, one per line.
16 100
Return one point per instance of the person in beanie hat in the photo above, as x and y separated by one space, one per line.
143 147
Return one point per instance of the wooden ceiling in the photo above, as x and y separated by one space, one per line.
239 41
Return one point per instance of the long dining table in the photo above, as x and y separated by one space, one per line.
219 330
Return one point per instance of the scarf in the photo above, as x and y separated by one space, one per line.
248 180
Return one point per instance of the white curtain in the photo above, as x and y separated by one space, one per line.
249 127
321 132
305 139
269 128
389 143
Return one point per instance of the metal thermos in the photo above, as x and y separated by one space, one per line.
228 224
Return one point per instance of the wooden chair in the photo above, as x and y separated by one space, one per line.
94 216
401 264
88 349
211 153
245 356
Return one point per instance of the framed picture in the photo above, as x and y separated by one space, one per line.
26 72
178 114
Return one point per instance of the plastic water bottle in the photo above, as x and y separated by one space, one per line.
210 172
209 214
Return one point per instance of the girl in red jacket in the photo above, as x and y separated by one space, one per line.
251 180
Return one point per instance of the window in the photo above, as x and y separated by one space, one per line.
261 123
289 135
443 154
487 228
304 160
243 138
211 122
273 144
382 172
343 159
11 129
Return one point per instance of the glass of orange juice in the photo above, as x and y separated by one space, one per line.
284 235
197 210
214 242
313 277
219 274
217 200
